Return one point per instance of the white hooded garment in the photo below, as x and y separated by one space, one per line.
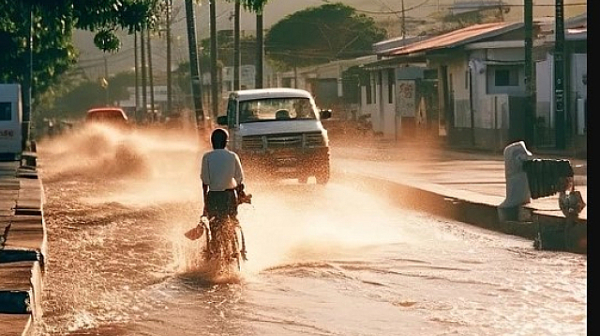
517 184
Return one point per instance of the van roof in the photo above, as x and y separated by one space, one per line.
270 93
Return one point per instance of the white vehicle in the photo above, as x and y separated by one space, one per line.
278 131
11 118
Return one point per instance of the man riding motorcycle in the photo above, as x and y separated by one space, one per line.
222 178
221 175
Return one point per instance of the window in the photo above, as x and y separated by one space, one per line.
506 77
269 109
5 111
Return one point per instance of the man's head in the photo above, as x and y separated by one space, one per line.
219 138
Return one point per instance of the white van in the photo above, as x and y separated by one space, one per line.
11 118
278 132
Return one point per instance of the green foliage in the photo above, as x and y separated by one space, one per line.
182 73
53 52
321 34
226 50
253 5
117 85
52 49
52 24
74 104
81 94
182 77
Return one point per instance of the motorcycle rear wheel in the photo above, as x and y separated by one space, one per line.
223 245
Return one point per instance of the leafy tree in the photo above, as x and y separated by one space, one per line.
182 73
226 47
69 103
253 5
118 84
71 106
52 24
321 34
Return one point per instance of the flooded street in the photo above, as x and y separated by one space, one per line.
323 260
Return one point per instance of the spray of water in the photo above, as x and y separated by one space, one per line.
288 222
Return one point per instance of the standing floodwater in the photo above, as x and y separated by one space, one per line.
323 260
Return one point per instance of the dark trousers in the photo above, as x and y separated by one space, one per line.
222 204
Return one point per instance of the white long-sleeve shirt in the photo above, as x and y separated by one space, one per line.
221 170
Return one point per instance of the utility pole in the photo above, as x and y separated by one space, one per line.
559 76
144 90
28 83
530 106
105 82
151 77
169 4
236 46
258 79
404 22
136 66
194 68
214 80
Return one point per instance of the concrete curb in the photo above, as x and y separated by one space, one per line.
22 252
478 210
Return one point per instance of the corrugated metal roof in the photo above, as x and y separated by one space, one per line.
457 37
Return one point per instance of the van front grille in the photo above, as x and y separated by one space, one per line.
284 141
252 143
314 139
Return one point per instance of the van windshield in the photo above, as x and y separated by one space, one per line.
277 109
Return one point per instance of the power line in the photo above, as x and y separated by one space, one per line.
474 5
393 11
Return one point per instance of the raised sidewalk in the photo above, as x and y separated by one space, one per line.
22 245
464 185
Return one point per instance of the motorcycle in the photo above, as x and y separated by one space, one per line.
225 242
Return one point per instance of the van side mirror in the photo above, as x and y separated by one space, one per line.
222 120
325 114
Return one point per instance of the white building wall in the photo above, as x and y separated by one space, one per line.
370 109
491 110
544 73
578 70
579 91
458 71
391 127
376 113
545 89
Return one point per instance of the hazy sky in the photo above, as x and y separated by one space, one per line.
92 59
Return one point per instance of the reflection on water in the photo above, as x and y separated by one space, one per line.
323 260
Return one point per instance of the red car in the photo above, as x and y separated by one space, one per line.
112 115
